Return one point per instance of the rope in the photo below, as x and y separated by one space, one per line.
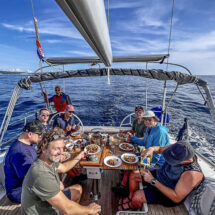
170 32
32 8
8 113
146 88
108 69
169 43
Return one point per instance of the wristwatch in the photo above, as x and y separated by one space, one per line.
153 181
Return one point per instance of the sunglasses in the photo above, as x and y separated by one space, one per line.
139 112
44 115
148 119
56 136
71 111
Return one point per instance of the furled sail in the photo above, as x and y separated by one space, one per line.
158 74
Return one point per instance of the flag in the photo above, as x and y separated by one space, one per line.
39 50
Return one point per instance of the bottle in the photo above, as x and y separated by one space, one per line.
146 161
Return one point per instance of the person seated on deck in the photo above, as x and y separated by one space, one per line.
138 129
170 184
41 192
156 135
66 121
138 125
61 100
44 118
19 158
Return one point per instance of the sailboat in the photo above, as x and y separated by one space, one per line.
94 30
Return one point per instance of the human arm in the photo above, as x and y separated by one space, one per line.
155 149
186 183
137 141
66 166
66 206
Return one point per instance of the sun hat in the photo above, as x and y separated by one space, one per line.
70 108
150 113
34 127
178 152
139 108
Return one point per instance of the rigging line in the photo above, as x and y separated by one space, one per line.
170 32
169 43
146 88
32 6
108 69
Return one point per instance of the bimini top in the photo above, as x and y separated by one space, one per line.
158 74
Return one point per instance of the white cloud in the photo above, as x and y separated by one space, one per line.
122 4
48 26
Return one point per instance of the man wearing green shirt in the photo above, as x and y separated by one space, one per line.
41 192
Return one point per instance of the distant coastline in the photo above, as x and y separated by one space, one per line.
15 73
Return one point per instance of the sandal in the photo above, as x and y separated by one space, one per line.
124 200
125 206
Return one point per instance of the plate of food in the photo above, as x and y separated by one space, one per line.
112 161
65 156
79 141
129 158
75 136
126 146
121 135
70 146
92 149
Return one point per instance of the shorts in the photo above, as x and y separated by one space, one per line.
15 195
154 196
67 193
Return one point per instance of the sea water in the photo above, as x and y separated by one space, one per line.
97 103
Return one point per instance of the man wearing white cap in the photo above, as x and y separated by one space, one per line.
66 121
156 135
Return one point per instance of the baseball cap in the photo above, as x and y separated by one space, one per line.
139 108
34 126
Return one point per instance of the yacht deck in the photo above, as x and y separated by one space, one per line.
108 199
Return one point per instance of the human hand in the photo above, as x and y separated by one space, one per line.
147 153
81 155
147 176
77 127
68 128
61 185
94 208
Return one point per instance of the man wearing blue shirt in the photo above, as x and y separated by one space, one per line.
19 158
66 121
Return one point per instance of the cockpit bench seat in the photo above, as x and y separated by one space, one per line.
9 208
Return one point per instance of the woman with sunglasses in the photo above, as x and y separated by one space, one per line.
156 135
44 118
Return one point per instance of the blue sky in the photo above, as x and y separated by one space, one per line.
137 27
